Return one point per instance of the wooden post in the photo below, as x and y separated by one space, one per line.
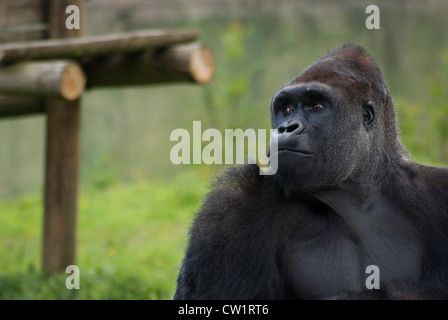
62 160
61 184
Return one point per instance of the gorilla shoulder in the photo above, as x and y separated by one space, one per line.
238 187
433 178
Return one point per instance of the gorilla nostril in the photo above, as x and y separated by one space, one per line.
292 127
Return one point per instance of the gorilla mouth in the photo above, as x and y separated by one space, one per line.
301 152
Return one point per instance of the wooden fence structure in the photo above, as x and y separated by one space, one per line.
48 72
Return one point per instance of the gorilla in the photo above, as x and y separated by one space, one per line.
346 196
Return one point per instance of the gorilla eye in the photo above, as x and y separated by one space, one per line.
318 107
287 111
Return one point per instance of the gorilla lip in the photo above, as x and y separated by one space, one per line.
301 152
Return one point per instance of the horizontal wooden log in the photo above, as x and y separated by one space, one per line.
77 48
19 106
180 63
194 60
63 79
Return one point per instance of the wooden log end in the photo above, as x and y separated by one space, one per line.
60 78
193 62
72 82
202 64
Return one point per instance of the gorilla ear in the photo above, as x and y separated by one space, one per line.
368 114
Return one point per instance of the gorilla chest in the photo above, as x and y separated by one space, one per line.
329 256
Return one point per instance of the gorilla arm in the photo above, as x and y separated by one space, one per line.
233 250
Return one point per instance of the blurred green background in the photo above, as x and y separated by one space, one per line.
135 206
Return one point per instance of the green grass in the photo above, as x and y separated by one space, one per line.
130 241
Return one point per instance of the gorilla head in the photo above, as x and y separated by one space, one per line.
336 123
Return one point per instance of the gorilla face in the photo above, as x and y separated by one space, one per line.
331 123
321 138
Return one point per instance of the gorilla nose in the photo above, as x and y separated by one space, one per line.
294 126
288 137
